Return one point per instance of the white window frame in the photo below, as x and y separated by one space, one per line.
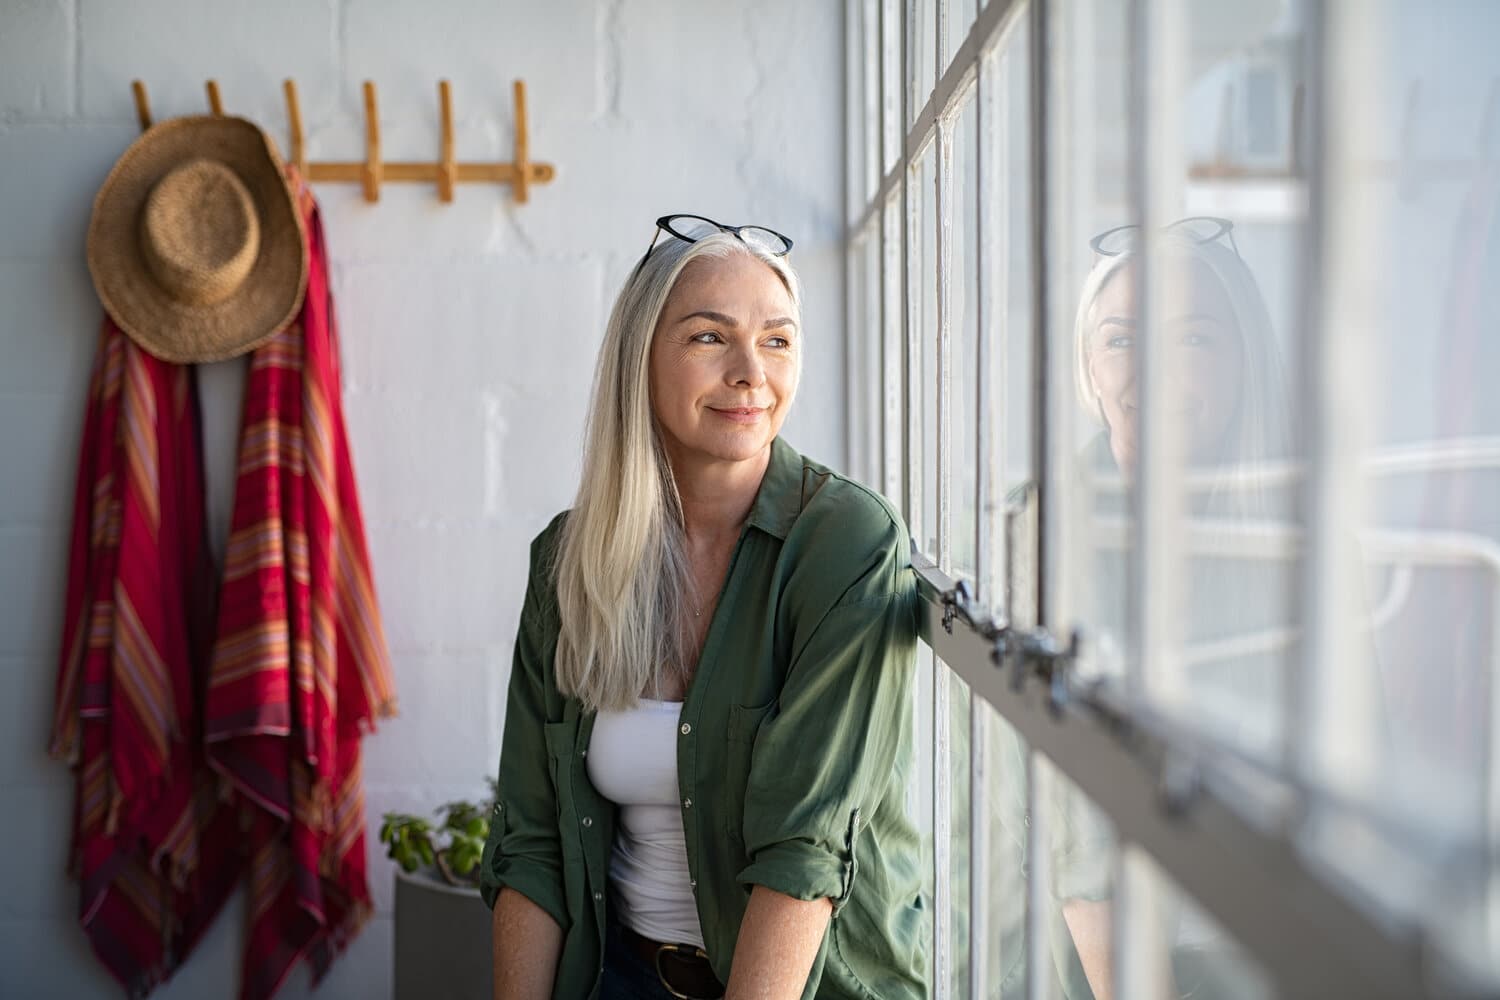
1157 782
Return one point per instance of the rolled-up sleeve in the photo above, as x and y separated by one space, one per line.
824 758
523 851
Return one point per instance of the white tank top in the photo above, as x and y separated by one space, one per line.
632 761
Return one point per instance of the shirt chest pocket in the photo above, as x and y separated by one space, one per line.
744 723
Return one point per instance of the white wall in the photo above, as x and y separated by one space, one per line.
469 332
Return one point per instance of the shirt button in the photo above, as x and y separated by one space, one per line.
687 803
693 883
583 753
598 897
588 821
686 729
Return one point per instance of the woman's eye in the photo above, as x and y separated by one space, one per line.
780 343
706 337
1196 340
1121 343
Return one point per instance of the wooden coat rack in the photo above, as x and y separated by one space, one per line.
372 171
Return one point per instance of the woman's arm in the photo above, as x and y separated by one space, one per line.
1091 925
526 944
779 940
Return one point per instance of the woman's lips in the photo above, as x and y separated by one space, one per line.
740 414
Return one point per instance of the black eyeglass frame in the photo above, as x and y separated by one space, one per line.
666 221
1225 228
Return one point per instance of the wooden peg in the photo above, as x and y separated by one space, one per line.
142 104
523 144
447 168
214 104
373 170
294 123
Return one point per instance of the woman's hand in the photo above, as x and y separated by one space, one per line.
779 940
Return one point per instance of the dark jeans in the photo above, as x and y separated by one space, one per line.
626 975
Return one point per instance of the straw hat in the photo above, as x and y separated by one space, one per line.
196 244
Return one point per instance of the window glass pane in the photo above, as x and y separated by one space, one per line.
1221 307
921 55
1005 225
1414 268
1079 917
922 289
960 19
892 129
864 359
963 323
869 335
919 792
893 351
1187 953
856 125
854 360
1007 864
1087 170
959 802
870 105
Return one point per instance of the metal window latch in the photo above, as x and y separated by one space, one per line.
1180 783
957 603
1027 652
1037 652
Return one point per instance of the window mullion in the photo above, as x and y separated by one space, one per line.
1332 740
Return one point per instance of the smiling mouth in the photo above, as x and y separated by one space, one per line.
741 414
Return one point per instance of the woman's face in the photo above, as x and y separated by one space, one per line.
1200 324
724 360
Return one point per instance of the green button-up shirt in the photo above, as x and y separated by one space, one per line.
792 757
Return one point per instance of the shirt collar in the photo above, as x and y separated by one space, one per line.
779 500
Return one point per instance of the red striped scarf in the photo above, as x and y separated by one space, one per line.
201 753
154 853
299 669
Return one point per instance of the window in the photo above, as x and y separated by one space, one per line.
1172 335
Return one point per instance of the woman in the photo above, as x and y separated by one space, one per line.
708 733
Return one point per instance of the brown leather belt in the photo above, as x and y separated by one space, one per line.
682 968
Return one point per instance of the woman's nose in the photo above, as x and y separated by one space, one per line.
746 369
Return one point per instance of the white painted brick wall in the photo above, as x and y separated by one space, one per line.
38 53
469 333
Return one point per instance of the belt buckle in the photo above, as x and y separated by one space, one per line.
691 951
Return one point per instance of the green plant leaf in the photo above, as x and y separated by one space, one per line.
464 856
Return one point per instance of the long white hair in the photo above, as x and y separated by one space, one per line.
621 568
1259 432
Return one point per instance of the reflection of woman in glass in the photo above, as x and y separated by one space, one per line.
1227 393
1230 392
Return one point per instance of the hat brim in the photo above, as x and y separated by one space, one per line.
271 294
